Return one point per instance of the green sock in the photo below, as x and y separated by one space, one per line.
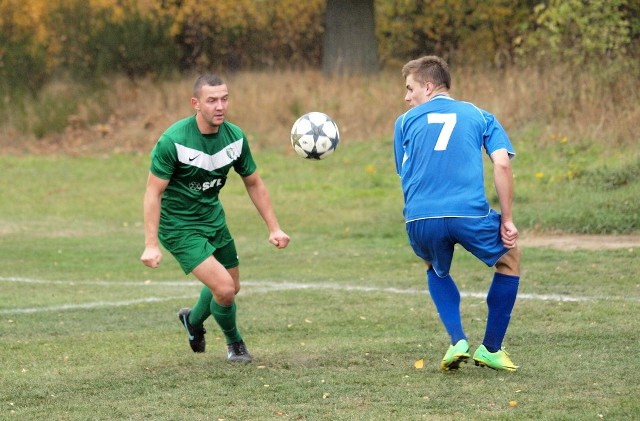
226 318
202 309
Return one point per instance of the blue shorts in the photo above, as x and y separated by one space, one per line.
433 239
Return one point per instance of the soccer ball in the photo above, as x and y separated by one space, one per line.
314 136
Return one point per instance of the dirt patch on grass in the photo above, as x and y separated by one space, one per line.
578 241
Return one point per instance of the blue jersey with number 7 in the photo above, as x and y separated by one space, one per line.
438 155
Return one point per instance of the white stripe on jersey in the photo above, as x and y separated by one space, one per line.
207 162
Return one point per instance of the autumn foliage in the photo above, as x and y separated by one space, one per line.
85 39
88 38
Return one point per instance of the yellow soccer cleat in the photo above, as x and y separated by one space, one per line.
497 360
456 355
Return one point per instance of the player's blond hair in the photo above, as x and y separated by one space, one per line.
425 69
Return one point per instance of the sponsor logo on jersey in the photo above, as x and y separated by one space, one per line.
195 186
216 182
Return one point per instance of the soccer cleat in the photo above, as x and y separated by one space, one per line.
456 355
237 353
196 336
498 360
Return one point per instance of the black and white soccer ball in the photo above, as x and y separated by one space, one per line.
314 136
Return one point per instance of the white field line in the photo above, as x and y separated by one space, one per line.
93 305
253 287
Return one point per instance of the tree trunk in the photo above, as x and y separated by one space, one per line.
350 45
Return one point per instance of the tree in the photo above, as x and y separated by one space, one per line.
349 45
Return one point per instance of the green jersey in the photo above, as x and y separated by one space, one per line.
196 166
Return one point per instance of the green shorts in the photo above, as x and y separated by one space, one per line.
190 248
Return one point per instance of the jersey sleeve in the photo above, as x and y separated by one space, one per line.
245 165
495 137
398 148
163 158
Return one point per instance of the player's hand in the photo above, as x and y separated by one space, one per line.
508 234
151 256
279 239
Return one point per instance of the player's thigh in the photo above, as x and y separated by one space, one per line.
509 263
430 241
480 236
225 252
190 248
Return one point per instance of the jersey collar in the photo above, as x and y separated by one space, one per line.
443 96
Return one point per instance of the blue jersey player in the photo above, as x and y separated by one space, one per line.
438 147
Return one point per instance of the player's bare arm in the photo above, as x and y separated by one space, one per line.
260 197
152 256
503 180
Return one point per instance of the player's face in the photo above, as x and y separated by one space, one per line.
212 105
416 94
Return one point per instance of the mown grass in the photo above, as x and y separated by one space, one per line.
336 321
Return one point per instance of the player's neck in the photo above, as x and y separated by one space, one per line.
205 127
437 92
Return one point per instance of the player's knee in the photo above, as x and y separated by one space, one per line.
225 291
235 276
225 296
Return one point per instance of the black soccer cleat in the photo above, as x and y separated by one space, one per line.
196 336
237 352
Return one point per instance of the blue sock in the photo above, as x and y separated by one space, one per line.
446 297
500 300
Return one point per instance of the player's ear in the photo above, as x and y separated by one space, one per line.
195 104
428 87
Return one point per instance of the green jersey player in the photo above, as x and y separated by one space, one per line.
189 166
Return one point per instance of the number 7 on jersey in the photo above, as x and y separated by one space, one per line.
449 122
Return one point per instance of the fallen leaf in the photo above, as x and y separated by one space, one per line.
419 364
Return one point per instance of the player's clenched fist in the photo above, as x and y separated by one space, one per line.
152 256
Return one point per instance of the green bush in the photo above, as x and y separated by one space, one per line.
137 46
22 66
607 178
577 32
98 44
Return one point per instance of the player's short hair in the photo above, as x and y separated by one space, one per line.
428 69
208 79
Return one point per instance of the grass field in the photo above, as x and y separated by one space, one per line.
336 321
